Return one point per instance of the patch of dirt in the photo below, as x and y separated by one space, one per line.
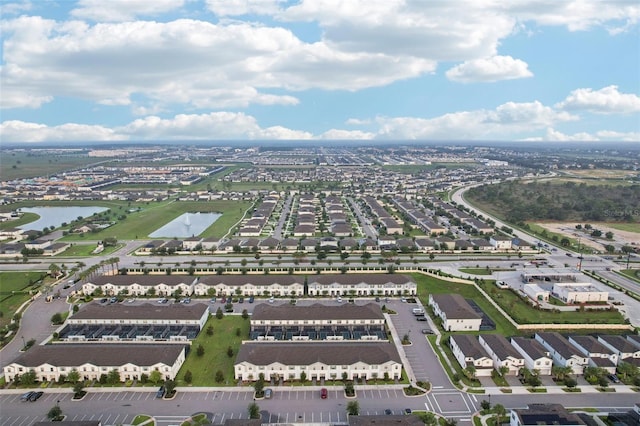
568 229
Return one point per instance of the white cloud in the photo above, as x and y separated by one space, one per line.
607 100
243 7
338 134
212 126
14 8
554 135
504 122
20 131
358 121
188 62
490 69
123 10
619 136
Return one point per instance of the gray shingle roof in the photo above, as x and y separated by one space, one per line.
316 312
258 280
455 306
351 279
143 280
108 355
298 353
500 346
149 311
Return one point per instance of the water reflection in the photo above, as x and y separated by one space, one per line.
186 225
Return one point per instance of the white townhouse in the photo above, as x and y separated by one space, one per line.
468 352
49 362
502 353
195 314
599 354
456 313
361 285
500 243
251 285
318 360
563 352
536 357
139 285
624 348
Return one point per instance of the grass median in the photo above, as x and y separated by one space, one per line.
215 357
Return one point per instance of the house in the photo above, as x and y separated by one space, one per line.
318 322
563 352
456 313
191 243
360 285
469 353
502 352
383 420
425 245
289 244
623 348
536 293
137 285
536 356
250 285
446 243
543 415
49 362
318 360
599 354
120 322
500 242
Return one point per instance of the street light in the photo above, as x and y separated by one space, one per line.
24 345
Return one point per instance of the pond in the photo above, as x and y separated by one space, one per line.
56 216
186 225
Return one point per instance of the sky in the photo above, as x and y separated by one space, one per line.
145 70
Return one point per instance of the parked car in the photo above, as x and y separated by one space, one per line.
323 393
427 331
160 392
213 300
251 299
388 411
613 378
421 318
407 411
25 396
268 393
35 396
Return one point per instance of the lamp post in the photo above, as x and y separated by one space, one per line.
24 345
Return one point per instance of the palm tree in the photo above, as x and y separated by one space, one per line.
500 412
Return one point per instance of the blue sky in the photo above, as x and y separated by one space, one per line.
128 70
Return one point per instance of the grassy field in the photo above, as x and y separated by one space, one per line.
428 285
17 165
629 227
523 313
215 355
476 271
86 250
634 274
417 168
154 215
26 218
14 291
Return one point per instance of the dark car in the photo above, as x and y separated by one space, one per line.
223 300
323 393
241 300
407 411
160 392
25 396
613 378
251 299
35 396
388 411
421 318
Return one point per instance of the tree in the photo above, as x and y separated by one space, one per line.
200 350
28 378
73 376
113 377
258 386
254 411
55 413
219 376
500 412
353 408
485 405
449 422
78 390
188 376
210 330
303 377
219 313
155 377
570 382
170 387
229 351
57 318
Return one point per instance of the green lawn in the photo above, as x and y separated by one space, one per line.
427 285
80 249
634 274
523 313
476 271
215 355
629 227
14 291
24 219
141 223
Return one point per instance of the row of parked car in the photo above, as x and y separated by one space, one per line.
32 396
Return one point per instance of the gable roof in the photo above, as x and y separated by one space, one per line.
455 306
316 311
174 311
